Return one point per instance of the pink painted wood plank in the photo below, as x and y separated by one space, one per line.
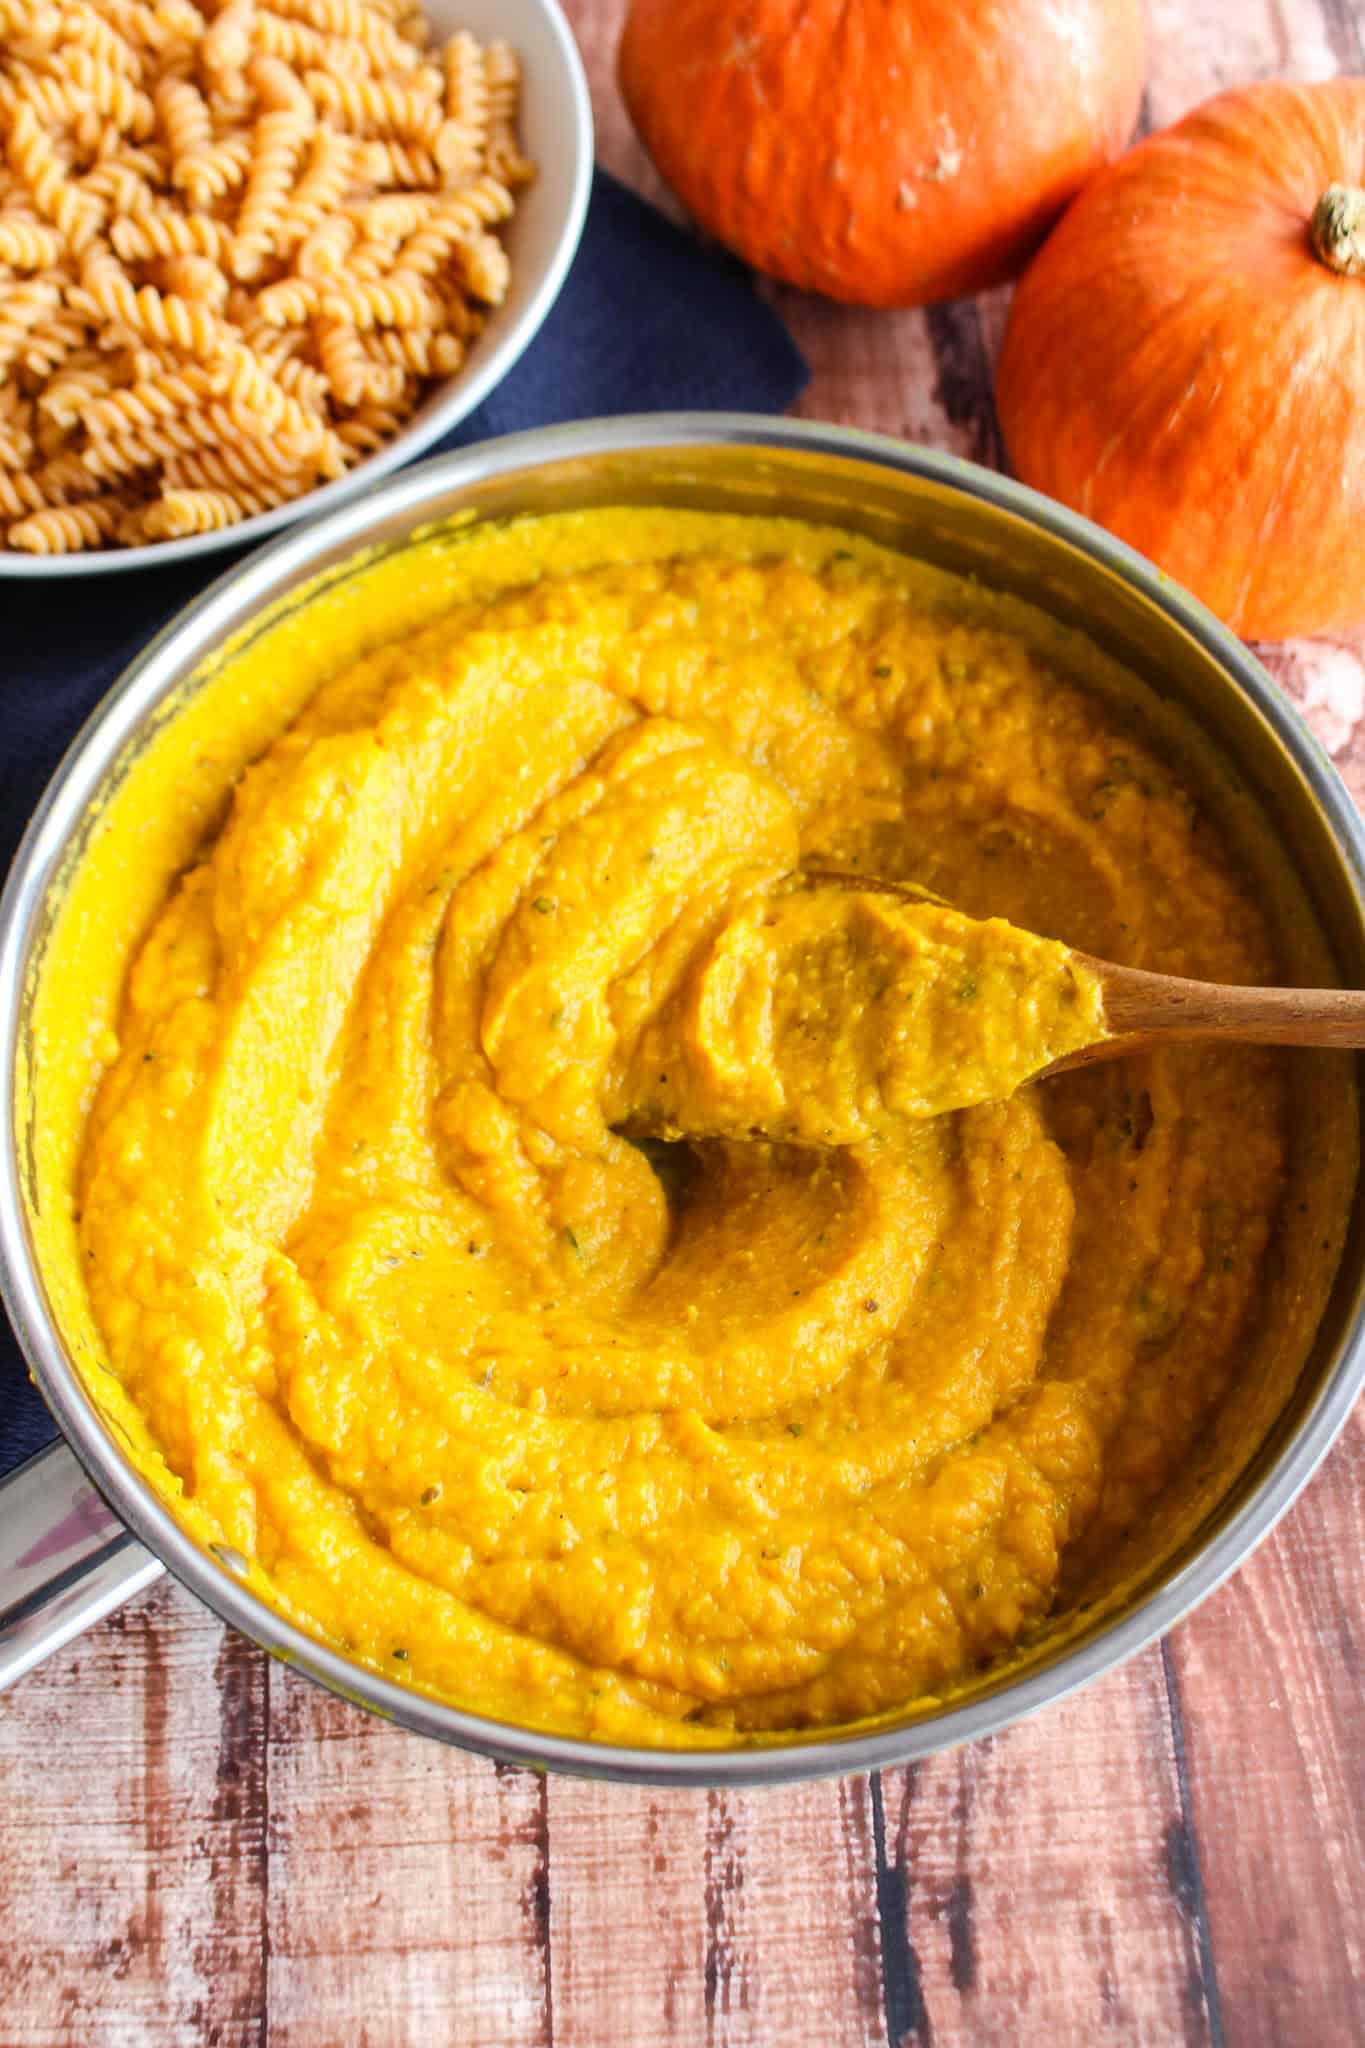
1044 1880
1199 47
1270 1672
597 26
744 1918
406 1887
132 1838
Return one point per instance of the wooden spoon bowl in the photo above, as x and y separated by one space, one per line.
1142 1010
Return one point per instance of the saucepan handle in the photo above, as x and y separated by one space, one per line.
65 1560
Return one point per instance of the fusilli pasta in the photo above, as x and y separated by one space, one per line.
236 249
61 530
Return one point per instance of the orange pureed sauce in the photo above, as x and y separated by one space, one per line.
815 1409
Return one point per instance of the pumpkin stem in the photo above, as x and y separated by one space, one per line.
1337 229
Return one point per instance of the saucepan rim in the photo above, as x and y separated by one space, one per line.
175 654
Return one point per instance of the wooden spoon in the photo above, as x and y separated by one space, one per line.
1142 1010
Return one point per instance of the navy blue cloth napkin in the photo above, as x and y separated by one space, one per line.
649 320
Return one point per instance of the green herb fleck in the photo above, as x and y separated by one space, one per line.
544 904
401 1656
795 1428
429 1495
967 991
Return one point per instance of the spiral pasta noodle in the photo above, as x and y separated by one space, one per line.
119 190
484 268
289 302
142 310
37 166
461 143
195 277
354 22
140 407
306 382
109 92
343 360
62 529
185 121
236 250
276 143
184 509
388 108
462 217
29 244
50 344
212 173
241 470
421 352
49 98
398 301
64 398
372 424
87 29
314 201
16 446
36 24
20 494
502 84
21 308
326 247
296 43
142 238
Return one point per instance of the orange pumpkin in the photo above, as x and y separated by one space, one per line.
886 152
1185 360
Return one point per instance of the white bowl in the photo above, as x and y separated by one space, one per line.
543 234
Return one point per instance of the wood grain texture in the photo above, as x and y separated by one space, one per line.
197 1847
133 1838
1271 1671
673 1917
404 1885
1047 1881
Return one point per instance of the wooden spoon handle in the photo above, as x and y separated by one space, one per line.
1152 1006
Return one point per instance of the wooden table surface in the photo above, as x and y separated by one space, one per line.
197 1847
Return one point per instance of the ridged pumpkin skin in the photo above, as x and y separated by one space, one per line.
883 152
1182 367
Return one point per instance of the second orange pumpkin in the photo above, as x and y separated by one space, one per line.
1185 361
884 152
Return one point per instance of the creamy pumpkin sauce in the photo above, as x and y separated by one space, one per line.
513 1208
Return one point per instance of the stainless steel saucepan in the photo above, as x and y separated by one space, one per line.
65 1559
